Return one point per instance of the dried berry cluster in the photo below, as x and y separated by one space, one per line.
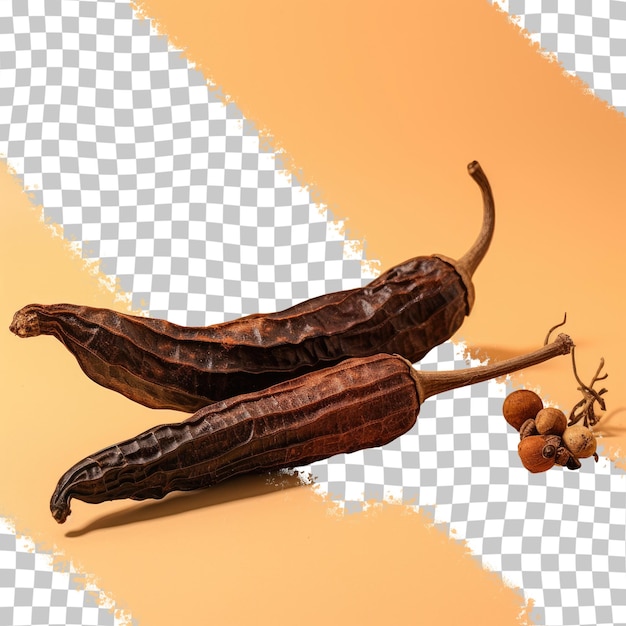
546 439
547 436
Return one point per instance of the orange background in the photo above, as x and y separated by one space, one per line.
380 106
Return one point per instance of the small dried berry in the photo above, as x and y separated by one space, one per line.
551 421
537 453
520 406
580 441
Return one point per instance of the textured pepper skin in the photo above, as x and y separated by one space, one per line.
407 310
360 403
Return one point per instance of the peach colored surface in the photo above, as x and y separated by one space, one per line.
244 552
248 551
381 106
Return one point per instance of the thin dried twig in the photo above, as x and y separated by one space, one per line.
584 410
545 343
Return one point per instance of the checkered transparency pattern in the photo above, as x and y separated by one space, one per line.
36 590
150 173
587 37
560 536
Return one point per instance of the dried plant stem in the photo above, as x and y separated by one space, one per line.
547 339
432 383
584 410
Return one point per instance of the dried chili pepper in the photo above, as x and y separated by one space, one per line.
408 310
359 403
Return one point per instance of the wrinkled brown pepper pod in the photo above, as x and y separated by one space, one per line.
359 403
408 310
